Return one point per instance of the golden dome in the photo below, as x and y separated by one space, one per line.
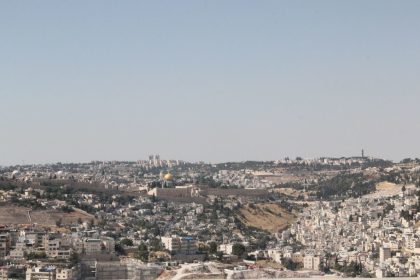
168 177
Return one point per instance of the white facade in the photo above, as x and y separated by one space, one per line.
311 262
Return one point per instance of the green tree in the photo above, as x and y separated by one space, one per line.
238 249
289 264
119 249
127 242
323 267
143 252
212 247
36 256
155 245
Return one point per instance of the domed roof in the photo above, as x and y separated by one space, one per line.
168 177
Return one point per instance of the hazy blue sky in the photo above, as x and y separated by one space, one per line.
208 80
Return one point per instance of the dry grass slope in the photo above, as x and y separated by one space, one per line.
387 186
18 215
385 189
266 216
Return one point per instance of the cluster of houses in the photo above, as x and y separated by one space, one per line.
326 161
372 231
30 244
179 223
243 178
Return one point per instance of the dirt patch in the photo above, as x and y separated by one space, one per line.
13 215
290 192
269 264
387 186
266 216
385 189
281 179
19 215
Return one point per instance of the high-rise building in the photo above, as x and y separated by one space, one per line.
180 245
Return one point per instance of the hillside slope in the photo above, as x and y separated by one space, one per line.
266 216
